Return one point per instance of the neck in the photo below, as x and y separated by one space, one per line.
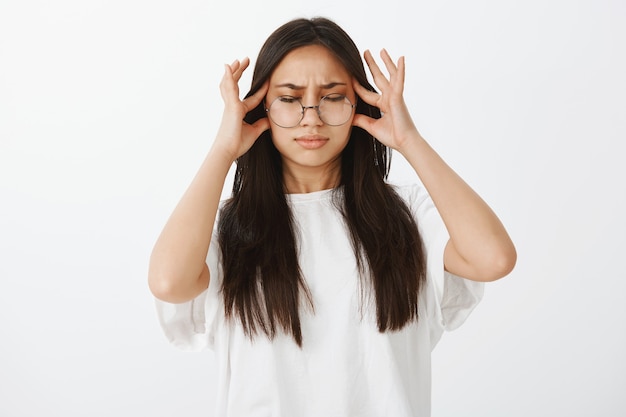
310 179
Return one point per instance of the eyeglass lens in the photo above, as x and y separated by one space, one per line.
333 109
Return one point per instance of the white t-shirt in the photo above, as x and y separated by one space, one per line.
345 367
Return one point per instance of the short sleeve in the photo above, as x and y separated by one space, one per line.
191 325
449 299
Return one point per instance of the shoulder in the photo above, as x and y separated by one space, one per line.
414 193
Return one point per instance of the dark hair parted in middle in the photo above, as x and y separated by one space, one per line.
263 285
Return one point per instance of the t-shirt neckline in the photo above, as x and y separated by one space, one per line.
312 196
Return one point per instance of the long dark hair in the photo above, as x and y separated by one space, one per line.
263 285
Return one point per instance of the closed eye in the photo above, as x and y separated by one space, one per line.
334 98
288 99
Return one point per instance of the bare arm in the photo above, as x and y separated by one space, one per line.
479 248
178 270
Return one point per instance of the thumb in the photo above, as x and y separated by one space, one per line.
363 121
260 126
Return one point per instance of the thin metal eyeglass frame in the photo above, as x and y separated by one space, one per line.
304 109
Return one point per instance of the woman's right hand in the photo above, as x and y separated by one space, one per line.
235 136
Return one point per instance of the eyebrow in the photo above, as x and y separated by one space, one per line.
299 87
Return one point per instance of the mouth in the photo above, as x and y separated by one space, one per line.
312 141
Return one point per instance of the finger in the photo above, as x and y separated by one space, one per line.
241 67
363 121
366 95
396 71
400 74
260 126
389 64
235 65
227 79
229 88
379 78
254 100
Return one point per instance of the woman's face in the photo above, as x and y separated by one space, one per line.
308 74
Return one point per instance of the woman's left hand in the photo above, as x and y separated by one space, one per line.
396 128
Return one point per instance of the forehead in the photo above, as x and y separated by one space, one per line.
309 63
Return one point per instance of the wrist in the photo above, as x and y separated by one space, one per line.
410 143
222 153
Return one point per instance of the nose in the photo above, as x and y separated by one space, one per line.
311 120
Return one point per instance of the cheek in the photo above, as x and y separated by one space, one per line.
279 136
346 130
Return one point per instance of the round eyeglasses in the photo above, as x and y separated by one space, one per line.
288 111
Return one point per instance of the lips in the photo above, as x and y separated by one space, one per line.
312 141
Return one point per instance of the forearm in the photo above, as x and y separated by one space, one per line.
479 247
178 271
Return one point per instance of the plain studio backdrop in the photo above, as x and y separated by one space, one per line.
107 108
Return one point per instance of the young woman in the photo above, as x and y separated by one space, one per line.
322 288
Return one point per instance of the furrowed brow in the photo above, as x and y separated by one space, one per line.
332 85
292 86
